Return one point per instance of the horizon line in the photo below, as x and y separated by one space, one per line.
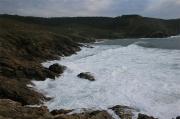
8 14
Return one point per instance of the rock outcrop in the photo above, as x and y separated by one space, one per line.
56 68
86 75
24 69
21 54
14 110
18 91
123 112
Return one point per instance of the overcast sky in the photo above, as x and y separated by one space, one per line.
57 8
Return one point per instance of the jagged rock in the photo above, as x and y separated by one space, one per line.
56 68
143 116
61 111
86 115
13 110
86 75
123 112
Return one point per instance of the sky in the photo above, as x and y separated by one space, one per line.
57 8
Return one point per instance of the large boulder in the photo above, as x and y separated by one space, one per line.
143 116
86 75
56 68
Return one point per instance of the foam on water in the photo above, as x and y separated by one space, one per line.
144 78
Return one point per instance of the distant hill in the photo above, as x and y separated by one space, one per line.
126 26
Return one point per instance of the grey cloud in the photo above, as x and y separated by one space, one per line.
49 8
164 9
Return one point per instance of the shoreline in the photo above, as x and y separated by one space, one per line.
17 106
64 110
26 42
86 110
69 67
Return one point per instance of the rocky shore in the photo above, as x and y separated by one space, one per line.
23 47
21 65
21 58
14 110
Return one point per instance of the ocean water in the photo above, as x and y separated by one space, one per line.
142 73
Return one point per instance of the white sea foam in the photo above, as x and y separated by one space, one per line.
144 78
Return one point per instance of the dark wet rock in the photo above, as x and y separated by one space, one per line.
61 111
143 116
56 68
123 112
86 75
13 110
178 117
86 115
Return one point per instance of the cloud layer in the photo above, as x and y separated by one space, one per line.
50 8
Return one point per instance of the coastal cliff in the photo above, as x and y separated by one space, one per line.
25 42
